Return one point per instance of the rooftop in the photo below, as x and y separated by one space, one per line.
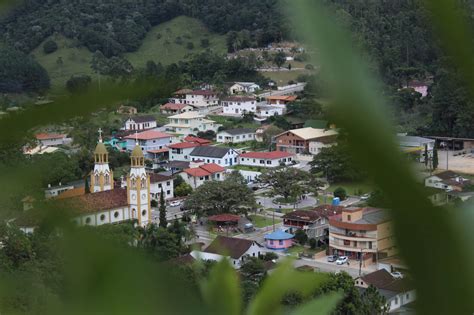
413 141
287 98
279 235
197 140
229 246
47 136
238 99
210 151
309 133
302 215
266 155
183 145
187 115
173 106
148 135
204 170
142 119
383 280
157 178
94 202
238 131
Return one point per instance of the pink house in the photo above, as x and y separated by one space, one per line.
419 87
279 240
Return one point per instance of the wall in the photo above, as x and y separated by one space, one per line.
275 244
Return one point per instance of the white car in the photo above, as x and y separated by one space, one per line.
342 260
397 275
175 203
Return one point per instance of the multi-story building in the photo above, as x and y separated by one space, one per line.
298 140
199 173
181 151
235 135
238 105
151 141
202 100
52 139
365 232
222 156
190 123
266 159
159 182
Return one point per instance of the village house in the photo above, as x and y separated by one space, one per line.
235 135
243 87
314 222
190 123
260 131
416 145
52 139
202 100
219 155
299 140
198 173
418 86
152 142
140 123
180 151
365 232
266 159
265 111
197 140
175 108
280 99
238 105
60 189
447 180
159 182
236 250
397 292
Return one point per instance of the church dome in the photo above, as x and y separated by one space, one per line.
100 149
137 152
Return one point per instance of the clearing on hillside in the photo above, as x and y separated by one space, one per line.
168 42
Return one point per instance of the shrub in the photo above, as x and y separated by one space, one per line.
312 243
301 237
154 203
341 193
50 46
190 45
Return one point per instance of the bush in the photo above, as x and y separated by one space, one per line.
183 190
154 203
204 43
50 46
341 193
301 237
312 243
309 67
190 45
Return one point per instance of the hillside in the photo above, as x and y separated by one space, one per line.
167 42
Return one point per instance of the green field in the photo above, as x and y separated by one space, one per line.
75 60
260 221
160 44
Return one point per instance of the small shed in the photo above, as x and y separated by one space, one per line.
279 240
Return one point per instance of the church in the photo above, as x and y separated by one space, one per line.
105 203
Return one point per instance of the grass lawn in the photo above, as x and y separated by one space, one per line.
282 77
248 168
324 200
75 60
160 43
352 188
260 221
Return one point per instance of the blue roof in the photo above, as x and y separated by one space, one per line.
279 235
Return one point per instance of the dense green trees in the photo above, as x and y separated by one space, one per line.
285 181
20 73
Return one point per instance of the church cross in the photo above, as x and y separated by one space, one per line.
100 134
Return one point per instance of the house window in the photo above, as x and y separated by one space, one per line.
102 217
271 242
168 192
348 217
88 220
168 183
280 242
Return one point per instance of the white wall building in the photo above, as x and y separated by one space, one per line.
270 110
266 159
140 123
208 154
199 173
235 135
243 87
181 151
52 139
150 140
190 123
159 182
238 105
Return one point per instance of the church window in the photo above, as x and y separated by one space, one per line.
102 217
88 220
116 214
107 179
134 213
143 182
133 181
96 179
144 213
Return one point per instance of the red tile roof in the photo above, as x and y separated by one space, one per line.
183 145
157 178
47 136
94 202
173 106
288 98
224 217
204 170
266 155
197 140
149 134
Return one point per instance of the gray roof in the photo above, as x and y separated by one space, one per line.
209 151
238 131
413 141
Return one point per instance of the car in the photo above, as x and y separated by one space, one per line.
342 260
175 203
332 258
397 275
365 197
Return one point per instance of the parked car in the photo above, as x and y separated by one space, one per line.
332 258
175 203
342 260
397 275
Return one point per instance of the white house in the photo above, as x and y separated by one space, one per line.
447 180
270 110
52 139
238 105
266 159
159 182
199 173
151 141
397 292
202 100
181 151
232 248
140 123
190 123
219 155
235 135
243 87
54 191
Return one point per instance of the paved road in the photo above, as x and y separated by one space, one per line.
267 202
290 90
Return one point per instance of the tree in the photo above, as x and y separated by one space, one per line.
340 193
279 59
208 134
301 237
204 42
50 46
378 199
163 221
252 274
312 243
374 303
269 256
159 242
270 133
78 83
282 123
190 45
183 189
285 181
229 196
435 158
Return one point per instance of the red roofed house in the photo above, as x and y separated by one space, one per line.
200 141
266 159
199 173
175 108
152 142
180 151
52 139
280 99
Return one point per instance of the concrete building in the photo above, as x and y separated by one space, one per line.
140 123
222 156
416 145
160 182
448 181
202 100
243 87
238 105
175 108
298 140
190 123
52 139
151 142
199 173
266 159
235 135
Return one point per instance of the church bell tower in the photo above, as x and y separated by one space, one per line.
102 177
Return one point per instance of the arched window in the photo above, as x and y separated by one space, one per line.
143 213
88 220
133 182
102 217
96 180
143 183
107 179
134 213
116 214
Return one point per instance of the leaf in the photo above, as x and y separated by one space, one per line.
322 305
283 280
221 291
